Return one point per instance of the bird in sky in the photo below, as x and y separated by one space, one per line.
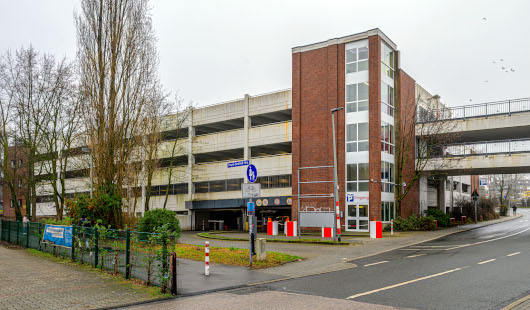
484 18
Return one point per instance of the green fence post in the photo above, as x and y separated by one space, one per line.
73 243
96 248
127 253
9 231
28 228
18 232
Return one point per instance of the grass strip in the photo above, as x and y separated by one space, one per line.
308 241
232 256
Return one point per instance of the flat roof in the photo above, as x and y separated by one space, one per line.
345 39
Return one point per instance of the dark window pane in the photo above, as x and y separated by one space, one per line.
363 146
351 55
363 91
363 131
352 172
351 132
351 93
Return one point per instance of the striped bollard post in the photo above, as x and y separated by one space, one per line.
338 220
392 226
207 258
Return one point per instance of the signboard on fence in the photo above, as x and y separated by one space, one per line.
59 235
317 218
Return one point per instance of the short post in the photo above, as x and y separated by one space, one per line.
127 253
73 243
96 248
28 227
18 232
9 231
261 249
174 274
392 226
207 258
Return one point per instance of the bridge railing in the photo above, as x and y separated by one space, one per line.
483 148
476 110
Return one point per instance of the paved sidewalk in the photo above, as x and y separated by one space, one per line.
31 282
326 258
245 299
521 304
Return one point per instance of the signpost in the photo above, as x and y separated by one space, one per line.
251 190
475 200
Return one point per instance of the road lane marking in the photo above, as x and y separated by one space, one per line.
404 283
434 246
411 256
514 254
381 262
480 242
487 261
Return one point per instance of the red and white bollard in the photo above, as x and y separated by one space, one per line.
207 258
391 226
338 219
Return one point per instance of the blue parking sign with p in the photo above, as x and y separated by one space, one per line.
349 198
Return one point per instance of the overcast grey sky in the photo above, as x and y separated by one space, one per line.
214 51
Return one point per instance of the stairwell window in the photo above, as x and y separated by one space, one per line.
357 176
357 59
387 61
387 99
357 137
357 97
387 211
387 177
387 138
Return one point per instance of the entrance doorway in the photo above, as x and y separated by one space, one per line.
357 217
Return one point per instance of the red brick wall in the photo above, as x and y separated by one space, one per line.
405 109
317 87
374 110
15 154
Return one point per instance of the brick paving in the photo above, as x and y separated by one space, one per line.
31 282
245 299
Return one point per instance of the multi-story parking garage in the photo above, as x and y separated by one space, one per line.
282 131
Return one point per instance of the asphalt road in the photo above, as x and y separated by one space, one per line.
485 268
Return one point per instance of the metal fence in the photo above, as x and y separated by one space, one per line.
486 148
476 110
126 252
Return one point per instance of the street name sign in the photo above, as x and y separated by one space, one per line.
251 190
238 163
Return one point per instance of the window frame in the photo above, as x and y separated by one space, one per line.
358 182
355 63
355 103
357 142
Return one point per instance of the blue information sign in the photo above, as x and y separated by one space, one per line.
252 173
250 207
350 198
238 163
59 235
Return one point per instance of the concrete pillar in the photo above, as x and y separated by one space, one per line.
441 195
261 249
191 162
246 129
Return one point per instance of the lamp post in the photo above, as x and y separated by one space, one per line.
87 150
335 181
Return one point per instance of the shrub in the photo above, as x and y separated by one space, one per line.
105 206
155 219
441 217
412 223
67 221
466 207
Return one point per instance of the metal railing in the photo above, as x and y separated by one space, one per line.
483 148
506 107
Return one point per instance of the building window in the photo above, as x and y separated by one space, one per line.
357 137
19 183
387 99
357 97
357 59
387 138
12 203
20 203
465 188
387 61
387 177
387 211
20 162
357 177
12 164
455 186
171 189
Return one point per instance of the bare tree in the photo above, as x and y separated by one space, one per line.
505 186
31 84
118 81
59 129
421 129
